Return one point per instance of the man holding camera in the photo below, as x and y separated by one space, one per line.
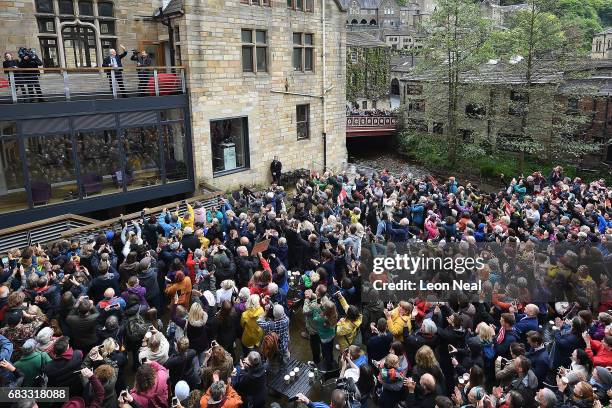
114 61
142 60
30 77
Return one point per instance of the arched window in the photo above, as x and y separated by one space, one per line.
364 22
77 39
355 22
373 22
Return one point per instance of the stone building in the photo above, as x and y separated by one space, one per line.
387 13
232 84
602 45
493 102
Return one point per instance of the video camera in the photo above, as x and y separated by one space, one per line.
26 52
350 388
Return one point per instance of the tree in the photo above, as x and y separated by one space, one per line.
458 33
548 49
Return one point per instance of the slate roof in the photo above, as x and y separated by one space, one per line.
364 4
364 40
174 7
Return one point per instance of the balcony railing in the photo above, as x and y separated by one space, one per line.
29 85
371 121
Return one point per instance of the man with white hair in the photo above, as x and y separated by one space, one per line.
546 398
245 265
528 321
280 325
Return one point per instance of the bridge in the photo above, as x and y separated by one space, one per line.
370 126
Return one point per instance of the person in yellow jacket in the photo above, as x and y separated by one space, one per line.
188 219
204 242
347 327
252 333
399 318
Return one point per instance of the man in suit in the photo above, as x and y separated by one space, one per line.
114 61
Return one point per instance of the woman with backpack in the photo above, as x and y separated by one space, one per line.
135 327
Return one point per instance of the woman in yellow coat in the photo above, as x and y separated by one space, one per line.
399 318
252 333
347 327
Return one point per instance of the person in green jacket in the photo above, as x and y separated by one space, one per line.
32 362
325 319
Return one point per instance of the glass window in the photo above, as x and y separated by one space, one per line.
107 27
297 38
85 8
247 36
51 169
99 161
262 65
229 141
302 113
13 195
308 59
79 46
254 54
105 9
303 51
247 59
107 44
44 6
46 25
297 59
141 149
48 47
66 7
175 151
171 114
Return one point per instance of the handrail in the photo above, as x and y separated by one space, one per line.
135 215
89 69
46 221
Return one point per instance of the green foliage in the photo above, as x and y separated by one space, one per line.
581 18
368 76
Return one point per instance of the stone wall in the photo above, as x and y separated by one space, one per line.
211 48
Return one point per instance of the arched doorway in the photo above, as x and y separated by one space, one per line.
364 22
395 88
355 22
373 22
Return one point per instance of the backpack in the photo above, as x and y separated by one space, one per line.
136 328
488 351
41 379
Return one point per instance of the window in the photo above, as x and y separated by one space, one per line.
66 7
254 51
303 52
46 25
107 27
44 6
51 169
229 142
256 2
99 161
467 135
174 144
414 89
105 9
12 191
416 106
85 8
301 5
438 128
48 47
302 113
79 41
141 149
475 111
364 105
572 106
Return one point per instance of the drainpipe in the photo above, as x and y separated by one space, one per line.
323 90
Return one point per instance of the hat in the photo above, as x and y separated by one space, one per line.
110 235
44 336
188 230
145 263
181 390
605 377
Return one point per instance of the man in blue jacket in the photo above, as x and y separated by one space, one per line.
526 322
540 360
338 400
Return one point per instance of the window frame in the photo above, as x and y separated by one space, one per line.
306 122
306 5
254 46
38 8
247 147
303 48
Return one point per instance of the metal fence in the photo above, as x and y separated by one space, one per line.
30 85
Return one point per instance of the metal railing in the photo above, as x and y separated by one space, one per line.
28 85
371 121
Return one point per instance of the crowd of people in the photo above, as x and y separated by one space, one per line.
355 111
177 309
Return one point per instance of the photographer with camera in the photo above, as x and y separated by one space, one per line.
338 400
30 78
142 60
114 61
